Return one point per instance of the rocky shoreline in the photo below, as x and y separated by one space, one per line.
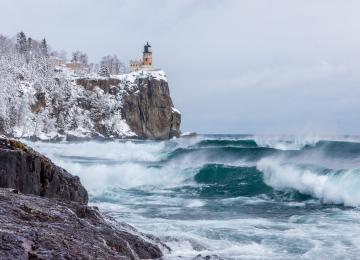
44 214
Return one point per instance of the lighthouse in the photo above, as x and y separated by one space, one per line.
147 55
146 62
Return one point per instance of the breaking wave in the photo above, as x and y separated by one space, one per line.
330 186
227 196
226 167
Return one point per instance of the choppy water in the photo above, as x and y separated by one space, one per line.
237 197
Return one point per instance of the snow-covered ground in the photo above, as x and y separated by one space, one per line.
36 101
133 76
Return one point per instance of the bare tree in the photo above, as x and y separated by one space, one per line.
80 57
60 54
114 65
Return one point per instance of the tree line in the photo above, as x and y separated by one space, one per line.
29 47
35 98
108 65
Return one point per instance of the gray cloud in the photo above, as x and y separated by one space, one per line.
234 66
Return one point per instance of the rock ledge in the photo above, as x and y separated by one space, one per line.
51 220
29 172
33 227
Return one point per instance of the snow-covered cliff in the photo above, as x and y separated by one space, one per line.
58 105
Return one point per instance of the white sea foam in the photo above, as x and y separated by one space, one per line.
286 142
195 204
291 142
125 175
190 238
124 164
334 187
132 188
117 150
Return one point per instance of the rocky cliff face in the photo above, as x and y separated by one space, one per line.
136 105
149 110
146 104
29 172
57 223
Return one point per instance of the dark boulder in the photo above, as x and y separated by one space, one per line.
29 172
33 227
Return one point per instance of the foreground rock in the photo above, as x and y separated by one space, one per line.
51 220
33 227
29 172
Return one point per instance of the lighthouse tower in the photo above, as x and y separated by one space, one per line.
145 63
147 56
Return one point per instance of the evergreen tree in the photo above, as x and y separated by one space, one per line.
21 43
44 47
29 43
104 71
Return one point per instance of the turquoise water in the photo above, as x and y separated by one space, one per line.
234 197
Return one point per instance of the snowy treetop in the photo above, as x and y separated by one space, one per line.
40 99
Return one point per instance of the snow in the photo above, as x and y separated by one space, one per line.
176 110
39 100
133 76
63 96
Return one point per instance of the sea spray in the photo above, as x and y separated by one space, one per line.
339 187
231 196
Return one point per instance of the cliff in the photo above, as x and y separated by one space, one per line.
149 110
57 223
133 105
146 105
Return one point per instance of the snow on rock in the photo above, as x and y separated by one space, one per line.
40 101
133 76
175 110
45 101
37 101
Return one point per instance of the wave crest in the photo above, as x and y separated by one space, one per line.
337 187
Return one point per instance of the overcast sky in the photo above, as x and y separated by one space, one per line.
237 66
